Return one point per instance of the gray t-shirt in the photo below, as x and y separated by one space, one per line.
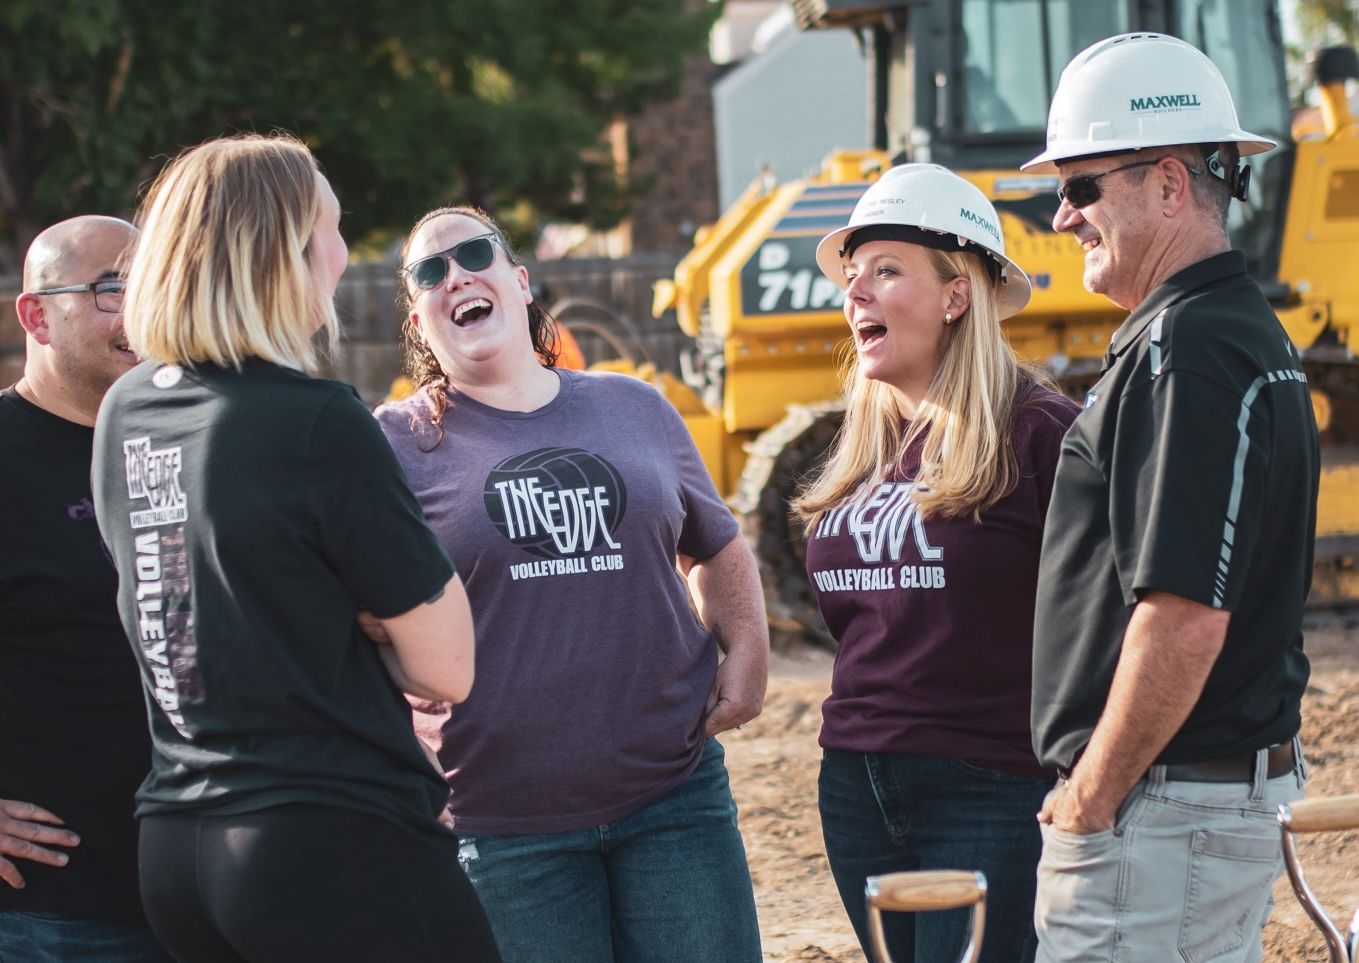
592 669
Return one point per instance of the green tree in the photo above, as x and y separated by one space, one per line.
1319 23
1329 21
407 104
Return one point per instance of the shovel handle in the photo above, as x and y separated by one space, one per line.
917 892
1321 815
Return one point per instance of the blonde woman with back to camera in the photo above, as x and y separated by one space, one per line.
923 533
253 511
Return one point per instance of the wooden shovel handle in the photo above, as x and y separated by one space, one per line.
916 892
1320 815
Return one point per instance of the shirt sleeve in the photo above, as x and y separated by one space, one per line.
1187 489
372 530
708 523
1051 418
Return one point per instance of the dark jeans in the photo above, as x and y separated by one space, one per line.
667 883
44 938
890 812
304 882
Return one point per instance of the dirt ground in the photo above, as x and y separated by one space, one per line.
773 762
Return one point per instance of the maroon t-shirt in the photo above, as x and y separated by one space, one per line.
934 617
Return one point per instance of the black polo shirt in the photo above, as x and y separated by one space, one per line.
1192 470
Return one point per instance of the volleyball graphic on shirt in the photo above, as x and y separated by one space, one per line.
886 530
881 522
557 503
154 475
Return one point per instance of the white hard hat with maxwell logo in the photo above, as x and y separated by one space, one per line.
1140 90
950 213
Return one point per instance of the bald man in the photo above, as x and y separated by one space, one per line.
75 745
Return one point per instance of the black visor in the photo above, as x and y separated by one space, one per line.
908 234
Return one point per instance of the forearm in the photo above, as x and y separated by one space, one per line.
403 682
432 648
726 590
1169 648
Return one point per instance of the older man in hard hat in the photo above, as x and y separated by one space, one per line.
1168 666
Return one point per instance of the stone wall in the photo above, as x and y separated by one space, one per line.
607 301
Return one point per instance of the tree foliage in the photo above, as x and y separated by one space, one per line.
407 104
1318 24
1332 21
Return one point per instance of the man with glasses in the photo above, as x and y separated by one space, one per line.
75 745
1168 663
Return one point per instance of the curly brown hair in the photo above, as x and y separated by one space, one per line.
419 361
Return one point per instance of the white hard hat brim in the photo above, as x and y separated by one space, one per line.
1046 162
1011 296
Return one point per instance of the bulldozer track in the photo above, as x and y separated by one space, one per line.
778 461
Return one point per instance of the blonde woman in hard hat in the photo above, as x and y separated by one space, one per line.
1168 662
589 789
923 534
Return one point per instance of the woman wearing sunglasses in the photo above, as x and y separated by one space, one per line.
588 790
923 534
252 510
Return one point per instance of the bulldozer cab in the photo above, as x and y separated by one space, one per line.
967 83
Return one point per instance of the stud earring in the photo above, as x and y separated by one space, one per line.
948 317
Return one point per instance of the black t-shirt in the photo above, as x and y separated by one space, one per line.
1192 470
73 733
251 515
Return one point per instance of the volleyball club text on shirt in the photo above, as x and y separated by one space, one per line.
165 628
558 504
879 524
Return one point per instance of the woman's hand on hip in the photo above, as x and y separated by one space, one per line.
737 695
726 590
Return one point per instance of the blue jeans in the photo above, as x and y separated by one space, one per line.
45 938
890 812
667 883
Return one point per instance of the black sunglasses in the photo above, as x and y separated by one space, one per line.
474 254
1083 189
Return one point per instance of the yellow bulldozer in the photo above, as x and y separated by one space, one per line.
966 83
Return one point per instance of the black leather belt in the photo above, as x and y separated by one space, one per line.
1236 768
1239 767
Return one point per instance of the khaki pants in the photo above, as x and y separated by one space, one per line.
1184 875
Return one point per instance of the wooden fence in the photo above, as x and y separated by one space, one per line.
590 295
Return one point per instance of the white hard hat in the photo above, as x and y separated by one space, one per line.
1140 90
950 213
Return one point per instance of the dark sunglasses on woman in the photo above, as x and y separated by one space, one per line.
474 254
